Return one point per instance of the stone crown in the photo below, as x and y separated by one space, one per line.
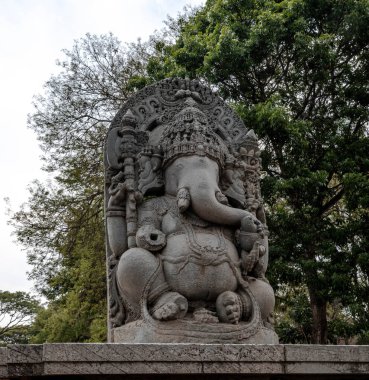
191 134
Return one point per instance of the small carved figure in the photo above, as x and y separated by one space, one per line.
187 248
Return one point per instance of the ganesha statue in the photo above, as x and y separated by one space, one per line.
187 239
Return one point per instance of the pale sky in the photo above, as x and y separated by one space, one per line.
32 35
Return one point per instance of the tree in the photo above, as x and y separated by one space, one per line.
296 70
61 224
17 311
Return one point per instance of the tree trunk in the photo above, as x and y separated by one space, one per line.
319 310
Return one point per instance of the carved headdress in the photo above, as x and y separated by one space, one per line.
189 134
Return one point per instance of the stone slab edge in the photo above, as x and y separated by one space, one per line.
90 358
326 359
3 362
24 360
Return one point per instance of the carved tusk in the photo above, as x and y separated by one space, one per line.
183 199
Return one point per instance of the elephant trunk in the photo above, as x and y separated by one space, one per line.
204 202
207 207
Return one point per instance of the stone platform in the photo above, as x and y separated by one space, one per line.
183 361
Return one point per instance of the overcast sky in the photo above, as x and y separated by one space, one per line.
32 35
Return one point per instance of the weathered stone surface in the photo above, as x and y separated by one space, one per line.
132 332
327 368
24 360
196 250
200 361
25 353
3 362
115 368
74 352
317 353
325 359
243 368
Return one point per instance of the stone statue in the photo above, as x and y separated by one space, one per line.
187 240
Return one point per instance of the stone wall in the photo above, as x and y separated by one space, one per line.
183 361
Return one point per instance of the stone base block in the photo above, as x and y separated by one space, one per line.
177 331
183 361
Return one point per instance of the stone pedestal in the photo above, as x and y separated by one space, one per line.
183 361
139 331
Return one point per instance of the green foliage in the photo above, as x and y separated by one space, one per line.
17 311
296 71
61 225
293 316
78 307
294 319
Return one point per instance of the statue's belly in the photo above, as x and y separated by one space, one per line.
198 273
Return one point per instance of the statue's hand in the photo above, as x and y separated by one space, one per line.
150 238
251 230
250 259
117 196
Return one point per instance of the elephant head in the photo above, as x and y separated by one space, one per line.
194 159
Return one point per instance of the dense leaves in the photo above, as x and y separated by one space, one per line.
17 311
296 70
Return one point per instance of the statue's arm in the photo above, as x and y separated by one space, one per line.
116 220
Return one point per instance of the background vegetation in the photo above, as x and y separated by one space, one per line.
297 73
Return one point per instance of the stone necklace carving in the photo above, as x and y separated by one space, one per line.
202 254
